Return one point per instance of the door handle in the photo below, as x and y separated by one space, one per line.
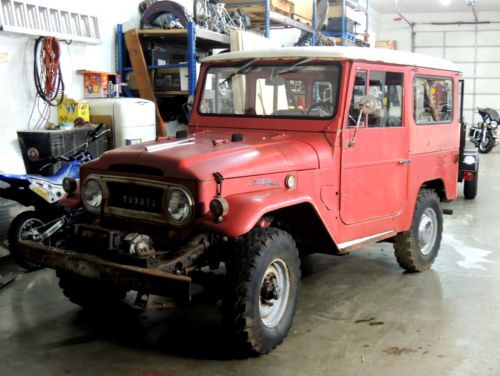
404 161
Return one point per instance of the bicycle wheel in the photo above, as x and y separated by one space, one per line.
201 13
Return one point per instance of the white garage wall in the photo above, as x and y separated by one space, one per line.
477 54
17 90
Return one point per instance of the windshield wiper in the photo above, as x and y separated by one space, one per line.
294 66
244 69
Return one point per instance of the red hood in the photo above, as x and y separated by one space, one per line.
257 154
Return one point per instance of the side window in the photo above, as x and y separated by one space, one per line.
387 88
359 91
433 100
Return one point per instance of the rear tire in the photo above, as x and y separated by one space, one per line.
19 230
470 186
263 278
87 292
417 248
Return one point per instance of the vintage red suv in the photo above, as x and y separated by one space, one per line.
290 152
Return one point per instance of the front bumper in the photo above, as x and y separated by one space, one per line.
146 280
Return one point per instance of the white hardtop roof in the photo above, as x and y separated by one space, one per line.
377 55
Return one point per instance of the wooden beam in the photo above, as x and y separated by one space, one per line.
142 75
3 57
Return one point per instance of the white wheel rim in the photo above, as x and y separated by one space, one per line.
274 293
427 231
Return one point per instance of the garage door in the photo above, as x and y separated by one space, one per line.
477 53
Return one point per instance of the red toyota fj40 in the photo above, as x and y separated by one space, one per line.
291 151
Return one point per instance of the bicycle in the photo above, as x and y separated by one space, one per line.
213 15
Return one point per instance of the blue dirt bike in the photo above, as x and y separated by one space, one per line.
44 193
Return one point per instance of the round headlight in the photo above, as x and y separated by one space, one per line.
494 124
178 206
92 194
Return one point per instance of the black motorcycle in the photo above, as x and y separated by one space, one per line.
485 134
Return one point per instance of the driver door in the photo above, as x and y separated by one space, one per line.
375 156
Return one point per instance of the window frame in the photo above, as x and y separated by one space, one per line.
368 71
239 64
432 77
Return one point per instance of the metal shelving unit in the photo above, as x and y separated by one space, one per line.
193 37
272 19
346 37
198 38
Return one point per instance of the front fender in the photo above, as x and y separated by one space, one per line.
246 209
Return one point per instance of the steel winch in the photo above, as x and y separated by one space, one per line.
138 244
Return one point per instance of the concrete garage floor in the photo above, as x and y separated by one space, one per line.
357 315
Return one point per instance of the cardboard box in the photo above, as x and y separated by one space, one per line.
285 7
303 9
69 110
335 11
95 84
387 44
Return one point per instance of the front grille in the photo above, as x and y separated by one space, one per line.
135 197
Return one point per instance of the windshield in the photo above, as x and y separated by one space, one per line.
298 89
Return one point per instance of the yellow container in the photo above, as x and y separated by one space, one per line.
69 110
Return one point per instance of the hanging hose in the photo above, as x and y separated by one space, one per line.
47 71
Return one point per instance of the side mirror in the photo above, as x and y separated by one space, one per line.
367 105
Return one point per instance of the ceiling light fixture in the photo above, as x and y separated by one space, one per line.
445 3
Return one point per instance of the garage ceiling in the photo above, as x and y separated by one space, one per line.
432 6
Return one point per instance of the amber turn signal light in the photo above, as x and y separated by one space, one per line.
290 181
219 207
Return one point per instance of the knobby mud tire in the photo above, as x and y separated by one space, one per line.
407 248
247 265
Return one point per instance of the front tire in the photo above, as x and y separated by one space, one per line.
486 146
22 228
417 248
263 279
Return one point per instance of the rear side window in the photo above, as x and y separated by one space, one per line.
433 100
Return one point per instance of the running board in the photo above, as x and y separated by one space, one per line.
351 245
